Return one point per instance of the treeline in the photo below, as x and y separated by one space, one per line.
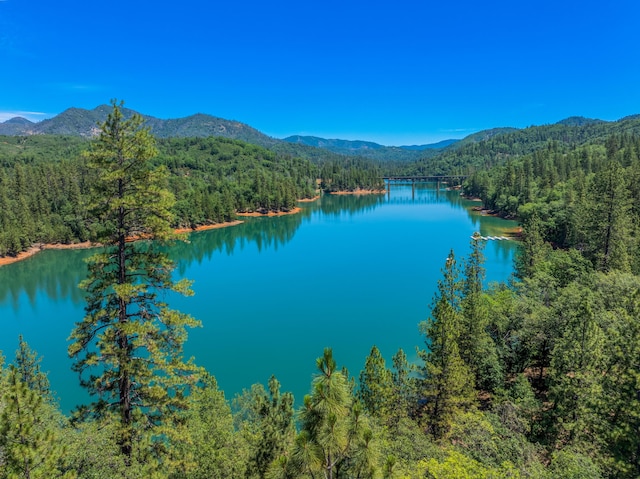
45 184
584 198
491 148
351 174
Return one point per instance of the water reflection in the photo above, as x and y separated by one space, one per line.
362 258
337 205
57 273
263 232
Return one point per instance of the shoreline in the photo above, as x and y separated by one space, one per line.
36 248
513 232
255 214
359 192
309 200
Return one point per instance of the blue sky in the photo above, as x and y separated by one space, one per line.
394 72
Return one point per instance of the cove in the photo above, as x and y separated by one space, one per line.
347 272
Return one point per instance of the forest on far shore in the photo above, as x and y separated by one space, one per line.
45 184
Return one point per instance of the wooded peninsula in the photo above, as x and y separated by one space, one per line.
535 378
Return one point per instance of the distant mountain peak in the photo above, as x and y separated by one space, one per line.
578 121
18 120
430 146
80 122
16 126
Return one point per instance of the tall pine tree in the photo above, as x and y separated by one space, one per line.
128 346
448 386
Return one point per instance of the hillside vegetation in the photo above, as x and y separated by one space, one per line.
486 149
45 184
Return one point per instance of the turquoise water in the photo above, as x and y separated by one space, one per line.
348 272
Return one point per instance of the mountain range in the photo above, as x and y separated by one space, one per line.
84 123
81 122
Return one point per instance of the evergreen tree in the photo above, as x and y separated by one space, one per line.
577 366
404 384
376 391
531 251
29 442
610 213
335 439
130 342
27 364
214 449
620 386
448 386
271 426
477 348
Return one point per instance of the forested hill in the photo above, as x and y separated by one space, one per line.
489 148
480 150
78 122
584 197
45 184
85 123
371 150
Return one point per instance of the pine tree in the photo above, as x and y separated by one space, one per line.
577 366
404 384
128 346
214 449
610 225
531 251
335 439
477 349
28 367
448 385
28 439
274 418
376 386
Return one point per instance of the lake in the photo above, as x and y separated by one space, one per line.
347 272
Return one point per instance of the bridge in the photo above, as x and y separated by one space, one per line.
426 178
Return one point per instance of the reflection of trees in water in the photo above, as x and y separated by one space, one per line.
267 232
58 272
264 232
425 194
55 273
429 193
338 204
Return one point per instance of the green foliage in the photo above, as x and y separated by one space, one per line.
570 464
535 379
376 390
29 438
27 365
459 466
350 175
265 420
92 452
573 195
213 448
130 342
477 348
448 386
46 184
335 439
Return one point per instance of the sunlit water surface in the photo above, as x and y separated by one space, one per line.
347 273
